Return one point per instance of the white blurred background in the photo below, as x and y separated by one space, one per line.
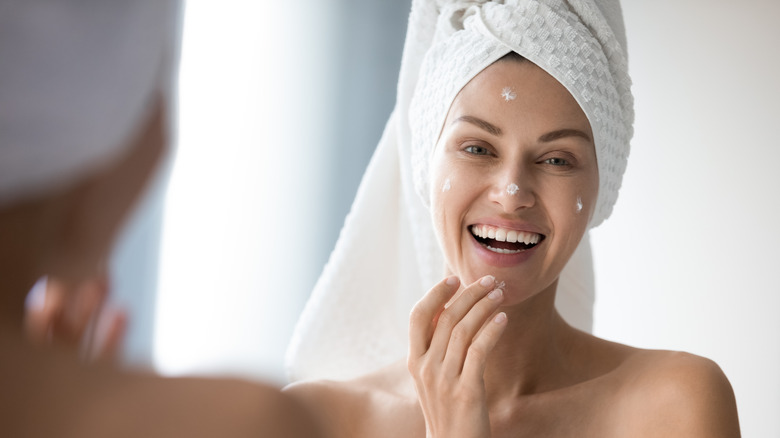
688 261
282 103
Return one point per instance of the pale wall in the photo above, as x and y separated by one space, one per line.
689 259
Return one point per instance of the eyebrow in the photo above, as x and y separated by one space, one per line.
561 133
489 127
545 138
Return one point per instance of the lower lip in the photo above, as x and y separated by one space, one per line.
502 260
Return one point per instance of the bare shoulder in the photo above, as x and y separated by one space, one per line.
100 400
360 407
669 393
333 403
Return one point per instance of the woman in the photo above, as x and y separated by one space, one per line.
85 93
516 157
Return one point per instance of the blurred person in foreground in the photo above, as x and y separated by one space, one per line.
86 91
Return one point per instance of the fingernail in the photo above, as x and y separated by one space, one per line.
36 298
452 281
495 294
501 317
488 280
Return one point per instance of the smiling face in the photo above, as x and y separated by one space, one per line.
514 180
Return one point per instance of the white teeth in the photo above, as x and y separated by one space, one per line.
505 235
503 251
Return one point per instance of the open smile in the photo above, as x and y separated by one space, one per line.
503 240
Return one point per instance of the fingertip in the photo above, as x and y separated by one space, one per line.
488 280
452 280
500 318
495 294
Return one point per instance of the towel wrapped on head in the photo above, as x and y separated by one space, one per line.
387 255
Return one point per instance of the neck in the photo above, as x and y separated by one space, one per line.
534 351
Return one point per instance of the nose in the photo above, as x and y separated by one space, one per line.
512 189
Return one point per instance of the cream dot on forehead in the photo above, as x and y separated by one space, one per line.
446 186
508 94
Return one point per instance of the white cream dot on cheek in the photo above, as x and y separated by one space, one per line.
446 186
579 204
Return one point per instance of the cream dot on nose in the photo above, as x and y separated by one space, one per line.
511 189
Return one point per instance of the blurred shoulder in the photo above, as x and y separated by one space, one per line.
100 400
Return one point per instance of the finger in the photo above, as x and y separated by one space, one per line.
83 311
464 333
424 314
34 323
478 351
88 312
453 314
112 328
51 314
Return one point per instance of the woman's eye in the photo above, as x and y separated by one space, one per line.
476 150
556 161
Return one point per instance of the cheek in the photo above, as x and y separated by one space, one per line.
446 186
571 203
451 196
444 190
585 202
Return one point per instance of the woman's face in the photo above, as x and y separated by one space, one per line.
514 179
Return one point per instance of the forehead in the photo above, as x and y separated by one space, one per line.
539 99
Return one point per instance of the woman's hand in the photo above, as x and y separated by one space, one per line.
75 316
448 348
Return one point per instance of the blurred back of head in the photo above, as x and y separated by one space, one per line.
76 79
82 98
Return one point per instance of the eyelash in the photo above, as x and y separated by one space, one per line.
556 161
471 150
563 161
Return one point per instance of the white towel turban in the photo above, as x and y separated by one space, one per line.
76 79
387 255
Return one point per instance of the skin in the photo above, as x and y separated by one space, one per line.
77 317
47 391
490 362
